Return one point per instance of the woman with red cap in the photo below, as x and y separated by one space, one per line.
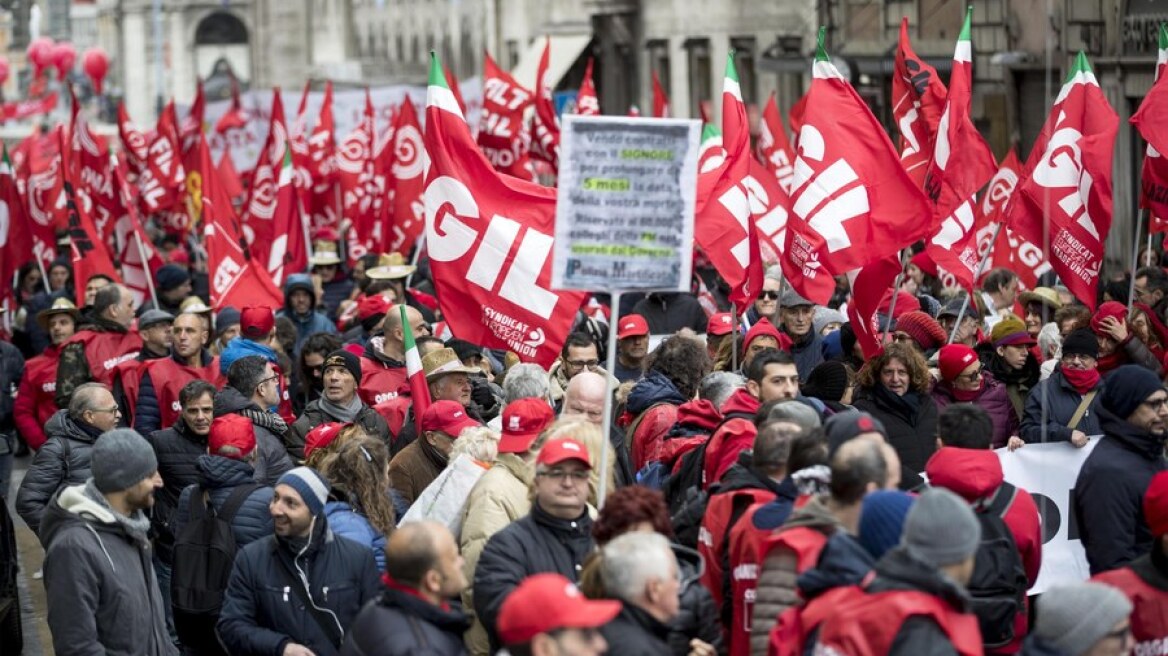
1118 345
963 380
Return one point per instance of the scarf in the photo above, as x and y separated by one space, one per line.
1113 360
967 396
1083 380
137 526
908 406
408 590
264 419
343 413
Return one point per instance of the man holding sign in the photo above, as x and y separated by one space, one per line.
1133 416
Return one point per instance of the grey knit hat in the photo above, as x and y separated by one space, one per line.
1072 618
121 459
941 528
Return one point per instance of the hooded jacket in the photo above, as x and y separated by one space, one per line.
306 324
63 460
102 593
34 403
403 624
261 614
734 435
273 461
350 524
1108 495
993 398
696 421
220 476
177 450
654 402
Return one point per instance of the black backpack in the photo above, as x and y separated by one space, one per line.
204 553
999 584
683 490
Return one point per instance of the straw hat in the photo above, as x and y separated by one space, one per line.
60 306
390 266
444 361
1044 295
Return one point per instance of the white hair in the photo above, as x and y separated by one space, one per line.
632 560
478 442
523 381
1050 341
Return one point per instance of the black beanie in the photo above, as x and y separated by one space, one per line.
847 339
1081 342
343 358
1127 387
827 382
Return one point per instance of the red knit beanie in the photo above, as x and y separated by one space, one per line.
924 330
764 328
954 359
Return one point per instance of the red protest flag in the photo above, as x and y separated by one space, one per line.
94 183
16 240
501 135
289 250
192 124
489 237
139 259
44 191
545 130
960 166
795 118
1009 250
918 100
587 103
322 151
228 176
452 84
236 117
1149 121
660 100
260 210
161 182
90 254
851 201
774 149
407 209
869 286
355 171
134 143
235 278
1069 181
724 225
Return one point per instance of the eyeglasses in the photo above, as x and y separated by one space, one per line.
971 377
1141 291
769 294
1073 357
580 364
902 338
577 475
1157 404
115 410
268 380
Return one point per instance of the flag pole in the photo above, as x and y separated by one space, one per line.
606 424
985 257
45 276
734 338
1141 218
892 301
146 267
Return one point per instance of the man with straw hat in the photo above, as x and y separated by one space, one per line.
34 403
393 267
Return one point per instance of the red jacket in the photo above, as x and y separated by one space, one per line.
975 474
696 420
381 382
741 489
734 436
1149 618
648 437
35 402
105 351
168 378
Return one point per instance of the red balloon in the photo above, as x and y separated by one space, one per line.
4 70
95 64
64 56
40 53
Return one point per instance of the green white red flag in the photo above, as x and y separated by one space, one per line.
419 390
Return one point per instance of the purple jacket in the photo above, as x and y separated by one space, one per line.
994 399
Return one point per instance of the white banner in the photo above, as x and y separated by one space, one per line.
1048 472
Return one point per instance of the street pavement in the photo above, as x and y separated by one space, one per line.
34 614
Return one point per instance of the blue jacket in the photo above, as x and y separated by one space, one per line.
241 347
220 476
313 322
349 523
1061 402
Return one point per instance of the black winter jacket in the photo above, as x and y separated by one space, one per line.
11 371
400 624
635 632
273 460
912 428
176 449
1108 495
62 460
697 608
261 614
533 544
220 476
314 415
807 352
1061 402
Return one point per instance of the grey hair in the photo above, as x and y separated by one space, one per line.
774 273
478 442
718 386
630 561
523 381
795 412
1050 341
83 400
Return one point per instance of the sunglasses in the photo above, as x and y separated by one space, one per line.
768 294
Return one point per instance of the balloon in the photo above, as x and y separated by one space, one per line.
64 56
4 70
40 53
95 63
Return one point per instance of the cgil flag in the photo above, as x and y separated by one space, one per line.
918 98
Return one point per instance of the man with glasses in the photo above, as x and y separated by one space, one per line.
1065 407
1108 495
579 353
252 390
556 536
1152 289
64 459
969 318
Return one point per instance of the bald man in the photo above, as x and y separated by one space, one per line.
584 397
383 364
423 572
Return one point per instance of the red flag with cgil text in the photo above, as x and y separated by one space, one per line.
489 238
851 201
1069 183
918 101
16 242
90 254
1009 250
774 148
501 134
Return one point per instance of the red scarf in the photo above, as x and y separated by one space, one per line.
1083 380
406 589
967 396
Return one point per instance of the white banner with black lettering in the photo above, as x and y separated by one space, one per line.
1049 472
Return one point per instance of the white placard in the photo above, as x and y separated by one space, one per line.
625 209
1048 472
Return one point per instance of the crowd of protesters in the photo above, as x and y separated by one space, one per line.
259 481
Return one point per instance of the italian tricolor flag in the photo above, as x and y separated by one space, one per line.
419 391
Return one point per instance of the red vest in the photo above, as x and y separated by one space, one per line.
749 547
1149 618
168 378
714 535
380 382
105 351
35 400
857 623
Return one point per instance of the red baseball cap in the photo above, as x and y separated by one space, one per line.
321 436
721 323
557 451
633 325
447 416
523 421
231 430
256 322
547 602
372 306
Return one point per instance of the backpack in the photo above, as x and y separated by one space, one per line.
204 553
690 471
999 584
653 475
